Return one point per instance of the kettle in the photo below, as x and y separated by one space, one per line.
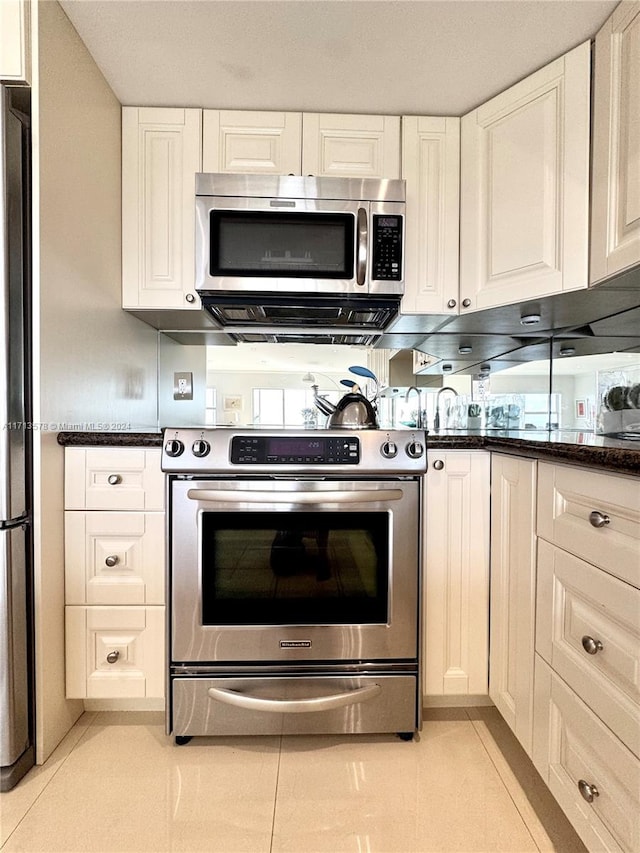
353 410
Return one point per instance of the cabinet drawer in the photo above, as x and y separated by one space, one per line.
113 478
114 557
578 604
573 501
115 652
572 745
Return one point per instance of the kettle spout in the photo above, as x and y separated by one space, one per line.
323 405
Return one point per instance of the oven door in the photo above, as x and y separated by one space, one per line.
294 570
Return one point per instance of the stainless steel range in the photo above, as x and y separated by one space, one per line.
293 581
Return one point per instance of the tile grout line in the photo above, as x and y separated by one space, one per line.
506 787
53 776
275 796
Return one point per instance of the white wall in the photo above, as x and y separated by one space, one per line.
93 362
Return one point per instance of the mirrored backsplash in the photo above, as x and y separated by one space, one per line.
271 385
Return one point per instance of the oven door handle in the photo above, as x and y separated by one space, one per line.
294 706
341 497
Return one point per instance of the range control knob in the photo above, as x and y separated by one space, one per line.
201 448
415 449
174 447
389 449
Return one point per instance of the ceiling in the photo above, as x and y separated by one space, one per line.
429 57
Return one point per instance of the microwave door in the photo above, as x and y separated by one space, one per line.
281 245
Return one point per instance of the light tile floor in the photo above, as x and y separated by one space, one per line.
118 783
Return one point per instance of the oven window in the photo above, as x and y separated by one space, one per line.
295 568
300 245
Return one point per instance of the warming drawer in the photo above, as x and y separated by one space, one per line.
236 706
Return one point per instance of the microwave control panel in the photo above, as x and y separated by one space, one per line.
387 248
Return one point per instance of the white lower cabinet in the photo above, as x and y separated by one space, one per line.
586 734
114 573
513 591
115 652
456 578
592 775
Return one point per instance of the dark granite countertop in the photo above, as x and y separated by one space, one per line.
110 439
578 448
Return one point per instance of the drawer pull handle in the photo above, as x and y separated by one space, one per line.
589 792
114 479
599 519
112 657
112 560
438 464
591 646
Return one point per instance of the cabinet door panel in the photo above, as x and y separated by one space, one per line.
431 168
577 600
513 591
567 500
116 479
15 42
351 146
253 142
570 745
615 234
161 152
456 587
525 188
132 636
114 557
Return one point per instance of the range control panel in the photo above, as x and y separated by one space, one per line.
192 451
387 248
294 450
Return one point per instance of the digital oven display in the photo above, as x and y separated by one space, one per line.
294 447
294 450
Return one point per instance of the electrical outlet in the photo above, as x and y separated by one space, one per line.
183 386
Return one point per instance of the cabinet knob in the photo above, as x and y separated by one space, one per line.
591 646
112 560
112 657
589 792
598 519
438 464
190 298
114 479
451 303
466 303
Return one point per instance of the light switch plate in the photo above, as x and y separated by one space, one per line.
183 386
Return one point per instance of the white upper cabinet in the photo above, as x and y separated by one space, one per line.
615 211
161 152
15 42
350 146
431 168
250 141
525 188
347 146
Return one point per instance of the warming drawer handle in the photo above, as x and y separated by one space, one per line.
361 496
294 706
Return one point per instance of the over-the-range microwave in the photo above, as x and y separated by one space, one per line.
282 257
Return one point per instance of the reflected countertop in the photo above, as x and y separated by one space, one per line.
579 448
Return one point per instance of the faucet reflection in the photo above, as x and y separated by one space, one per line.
420 419
436 420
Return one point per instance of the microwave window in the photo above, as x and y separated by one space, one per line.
282 245
296 568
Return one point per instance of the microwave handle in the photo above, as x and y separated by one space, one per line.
363 241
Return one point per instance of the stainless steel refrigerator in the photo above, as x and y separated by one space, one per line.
16 551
